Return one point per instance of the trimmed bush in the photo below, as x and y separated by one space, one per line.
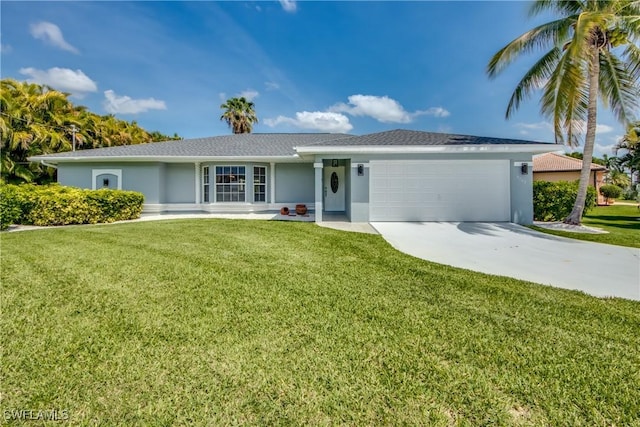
553 201
57 205
11 202
610 191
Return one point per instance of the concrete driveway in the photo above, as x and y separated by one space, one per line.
512 250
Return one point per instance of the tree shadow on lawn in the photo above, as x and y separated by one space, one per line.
613 221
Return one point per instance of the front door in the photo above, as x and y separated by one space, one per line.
334 189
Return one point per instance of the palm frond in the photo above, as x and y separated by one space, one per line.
618 88
537 76
632 55
569 7
543 36
564 98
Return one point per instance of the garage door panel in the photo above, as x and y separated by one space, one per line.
440 190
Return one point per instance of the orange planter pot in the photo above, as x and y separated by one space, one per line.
284 211
301 209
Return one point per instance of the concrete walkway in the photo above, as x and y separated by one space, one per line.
336 223
512 250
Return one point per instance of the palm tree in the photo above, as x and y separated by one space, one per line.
239 114
32 122
36 119
630 143
592 51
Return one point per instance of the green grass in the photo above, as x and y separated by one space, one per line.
621 221
218 322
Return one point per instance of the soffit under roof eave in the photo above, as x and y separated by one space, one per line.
166 159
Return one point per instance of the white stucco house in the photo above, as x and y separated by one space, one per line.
398 175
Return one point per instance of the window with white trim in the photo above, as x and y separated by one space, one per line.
230 183
259 184
205 184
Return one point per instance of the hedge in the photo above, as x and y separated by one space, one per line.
58 205
553 201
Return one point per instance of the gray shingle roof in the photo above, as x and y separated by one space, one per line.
402 137
278 144
250 145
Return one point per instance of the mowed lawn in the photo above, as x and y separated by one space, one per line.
218 322
622 222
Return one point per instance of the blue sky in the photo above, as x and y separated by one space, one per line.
356 67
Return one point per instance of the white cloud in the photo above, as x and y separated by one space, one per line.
222 96
51 34
63 79
289 5
604 149
5 48
434 111
526 127
383 109
115 104
271 85
249 94
579 126
317 120
603 128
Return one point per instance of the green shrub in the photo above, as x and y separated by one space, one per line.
58 205
610 191
10 206
553 201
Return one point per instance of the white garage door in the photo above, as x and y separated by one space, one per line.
439 190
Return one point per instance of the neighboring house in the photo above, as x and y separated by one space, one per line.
554 167
398 175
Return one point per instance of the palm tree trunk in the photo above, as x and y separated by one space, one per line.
575 217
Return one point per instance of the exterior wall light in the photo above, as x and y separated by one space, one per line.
360 169
524 169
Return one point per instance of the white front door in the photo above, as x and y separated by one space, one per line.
334 189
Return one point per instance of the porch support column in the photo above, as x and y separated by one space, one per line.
197 183
272 180
318 187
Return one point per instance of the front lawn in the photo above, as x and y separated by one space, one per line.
219 322
621 221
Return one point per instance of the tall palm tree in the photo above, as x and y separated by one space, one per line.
239 114
630 144
592 51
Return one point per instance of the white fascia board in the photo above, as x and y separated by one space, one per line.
168 159
434 149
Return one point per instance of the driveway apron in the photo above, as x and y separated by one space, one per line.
512 250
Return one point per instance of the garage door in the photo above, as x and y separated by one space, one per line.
439 190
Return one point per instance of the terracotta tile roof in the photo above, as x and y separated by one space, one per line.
552 162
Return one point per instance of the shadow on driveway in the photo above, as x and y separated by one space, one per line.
512 250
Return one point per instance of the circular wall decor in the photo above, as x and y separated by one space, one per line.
334 182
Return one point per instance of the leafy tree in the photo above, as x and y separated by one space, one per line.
239 114
592 52
36 119
598 161
610 191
